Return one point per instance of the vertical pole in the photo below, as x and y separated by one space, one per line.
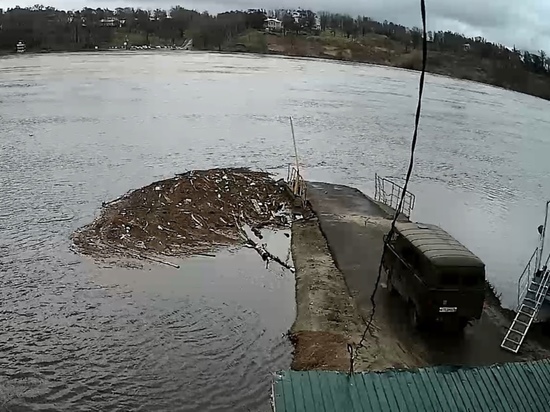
542 236
296 156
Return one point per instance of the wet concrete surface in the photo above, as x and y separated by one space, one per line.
354 226
343 215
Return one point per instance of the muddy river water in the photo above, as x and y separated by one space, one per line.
79 129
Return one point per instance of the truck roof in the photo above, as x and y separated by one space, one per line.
437 245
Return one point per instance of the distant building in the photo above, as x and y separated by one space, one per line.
20 47
304 18
274 25
317 23
467 47
109 22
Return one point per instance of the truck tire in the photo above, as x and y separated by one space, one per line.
391 288
417 321
462 323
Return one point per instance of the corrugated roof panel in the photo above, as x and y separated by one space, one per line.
509 387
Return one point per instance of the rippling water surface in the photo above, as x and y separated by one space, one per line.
78 129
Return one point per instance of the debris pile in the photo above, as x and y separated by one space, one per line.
191 213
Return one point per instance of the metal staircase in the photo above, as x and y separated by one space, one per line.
528 309
533 287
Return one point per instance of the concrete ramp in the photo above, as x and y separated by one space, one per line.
354 226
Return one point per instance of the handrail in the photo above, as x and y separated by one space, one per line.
391 195
296 183
543 283
543 235
523 284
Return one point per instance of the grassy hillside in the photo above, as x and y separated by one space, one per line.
379 49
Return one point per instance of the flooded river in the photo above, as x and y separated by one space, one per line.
79 129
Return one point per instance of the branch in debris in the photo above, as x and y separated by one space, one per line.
63 219
104 204
267 256
145 257
262 251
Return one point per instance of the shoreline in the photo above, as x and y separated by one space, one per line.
364 63
275 53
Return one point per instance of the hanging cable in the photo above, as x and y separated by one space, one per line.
353 354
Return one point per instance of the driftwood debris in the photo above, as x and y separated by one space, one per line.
188 214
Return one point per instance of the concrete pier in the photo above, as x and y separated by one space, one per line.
354 225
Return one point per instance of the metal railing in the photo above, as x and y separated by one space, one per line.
296 183
542 290
526 276
389 193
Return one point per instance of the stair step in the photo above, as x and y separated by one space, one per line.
528 314
510 348
515 342
518 325
537 289
529 305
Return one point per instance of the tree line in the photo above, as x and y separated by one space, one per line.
47 28
444 41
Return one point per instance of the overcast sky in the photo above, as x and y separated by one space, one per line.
524 23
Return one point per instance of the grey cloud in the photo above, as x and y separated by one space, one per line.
512 22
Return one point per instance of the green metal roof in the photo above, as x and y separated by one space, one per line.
437 245
501 388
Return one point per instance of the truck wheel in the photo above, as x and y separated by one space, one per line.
418 322
462 323
391 288
456 326
389 284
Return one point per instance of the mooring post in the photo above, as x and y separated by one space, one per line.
296 181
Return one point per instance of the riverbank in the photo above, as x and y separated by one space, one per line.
336 258
370 49
381 50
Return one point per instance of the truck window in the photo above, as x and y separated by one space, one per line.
449 279
471 279
460 278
